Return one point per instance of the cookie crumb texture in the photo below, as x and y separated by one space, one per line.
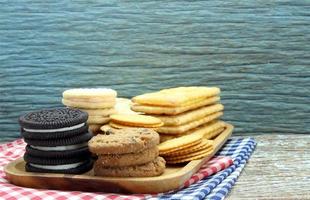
154 168
122 141
128 159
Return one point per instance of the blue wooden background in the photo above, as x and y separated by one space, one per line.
258 52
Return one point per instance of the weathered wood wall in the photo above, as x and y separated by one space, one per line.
258 52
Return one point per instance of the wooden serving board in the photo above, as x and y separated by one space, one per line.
173 178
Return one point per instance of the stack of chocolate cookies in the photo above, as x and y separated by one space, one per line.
56 141
97 102
128 152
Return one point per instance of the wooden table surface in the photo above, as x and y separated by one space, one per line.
278 169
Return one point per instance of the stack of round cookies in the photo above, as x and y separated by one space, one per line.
56 141
97 102
128 152
184 111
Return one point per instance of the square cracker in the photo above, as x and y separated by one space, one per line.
176 143
204 144
189 116
175 97
186 127
208 131
161 110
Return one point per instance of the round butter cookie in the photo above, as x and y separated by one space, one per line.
88 105
120 141
86 93
136 120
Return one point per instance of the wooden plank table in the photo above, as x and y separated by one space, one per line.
278 169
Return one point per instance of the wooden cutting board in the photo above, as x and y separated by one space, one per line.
173 178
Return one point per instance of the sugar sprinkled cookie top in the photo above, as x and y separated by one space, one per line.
89 93
53 118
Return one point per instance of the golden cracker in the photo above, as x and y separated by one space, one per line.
192 154
213 134
160 110
182 160
163 153
175 97
136 120
120 126
180 142
185 127
203 145
209 131
189 116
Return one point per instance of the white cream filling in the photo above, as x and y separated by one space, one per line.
60 148
54 130
57 167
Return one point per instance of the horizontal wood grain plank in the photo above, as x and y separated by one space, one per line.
278 169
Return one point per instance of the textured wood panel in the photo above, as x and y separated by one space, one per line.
278 169
256 51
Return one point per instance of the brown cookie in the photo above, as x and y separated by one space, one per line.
128 159
127 140
154 168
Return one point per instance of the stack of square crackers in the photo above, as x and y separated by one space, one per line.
97 102
190 116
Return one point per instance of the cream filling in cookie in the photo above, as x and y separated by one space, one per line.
54 130
60 148
57 167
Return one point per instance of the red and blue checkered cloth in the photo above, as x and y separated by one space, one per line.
208 183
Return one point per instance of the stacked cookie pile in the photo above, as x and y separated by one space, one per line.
97 102
56 141
128 152
190 118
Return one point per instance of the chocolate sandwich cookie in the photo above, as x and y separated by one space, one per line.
59 152
55 135
57 141
53 161
78 139
73 168
53 120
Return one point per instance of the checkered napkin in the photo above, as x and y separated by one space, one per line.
217 186
194 188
